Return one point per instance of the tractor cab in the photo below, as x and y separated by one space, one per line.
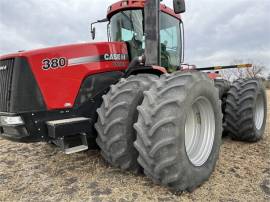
127 24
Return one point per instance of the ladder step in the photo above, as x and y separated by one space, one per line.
73 150
72 144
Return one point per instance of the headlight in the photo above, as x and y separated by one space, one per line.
11 120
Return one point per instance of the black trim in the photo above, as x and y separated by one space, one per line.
88 100
96 84
144 70
25 93
135 68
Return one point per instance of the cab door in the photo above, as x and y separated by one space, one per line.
170 42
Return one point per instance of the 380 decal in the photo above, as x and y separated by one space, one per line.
54 63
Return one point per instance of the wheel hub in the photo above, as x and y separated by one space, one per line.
200 131
259 112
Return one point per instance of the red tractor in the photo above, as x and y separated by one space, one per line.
131 96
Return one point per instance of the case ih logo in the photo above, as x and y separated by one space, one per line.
115 57
2 68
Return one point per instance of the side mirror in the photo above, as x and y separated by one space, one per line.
93 33
103 20
93 29
179 6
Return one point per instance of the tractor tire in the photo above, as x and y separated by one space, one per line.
179 130
116 117
223 87
246 110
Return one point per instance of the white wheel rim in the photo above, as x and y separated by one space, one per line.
200 131
259 112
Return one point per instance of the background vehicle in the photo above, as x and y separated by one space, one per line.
121 94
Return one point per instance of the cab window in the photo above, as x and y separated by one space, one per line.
170 42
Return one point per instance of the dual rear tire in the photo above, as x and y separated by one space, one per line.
244 107
246 110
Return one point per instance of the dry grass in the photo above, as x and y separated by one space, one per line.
38 172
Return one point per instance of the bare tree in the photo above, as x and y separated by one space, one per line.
227 74
255 71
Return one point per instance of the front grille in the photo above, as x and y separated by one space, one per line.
6 73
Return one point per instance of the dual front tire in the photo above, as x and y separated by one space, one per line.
116 117
170 127
179 130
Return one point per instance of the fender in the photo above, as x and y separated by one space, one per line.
161 69
136 67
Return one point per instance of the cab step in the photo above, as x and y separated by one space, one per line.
70 134
68 127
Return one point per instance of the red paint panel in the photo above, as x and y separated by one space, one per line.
213 75
60 86
161 69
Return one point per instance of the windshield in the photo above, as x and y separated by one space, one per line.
127 26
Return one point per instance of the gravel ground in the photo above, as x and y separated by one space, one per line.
38 172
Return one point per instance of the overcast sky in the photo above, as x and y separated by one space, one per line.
216 31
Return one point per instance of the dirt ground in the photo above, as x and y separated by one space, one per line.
38 172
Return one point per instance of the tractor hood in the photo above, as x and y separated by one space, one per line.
60 71
109 51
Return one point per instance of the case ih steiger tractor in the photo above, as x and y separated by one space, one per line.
132 97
